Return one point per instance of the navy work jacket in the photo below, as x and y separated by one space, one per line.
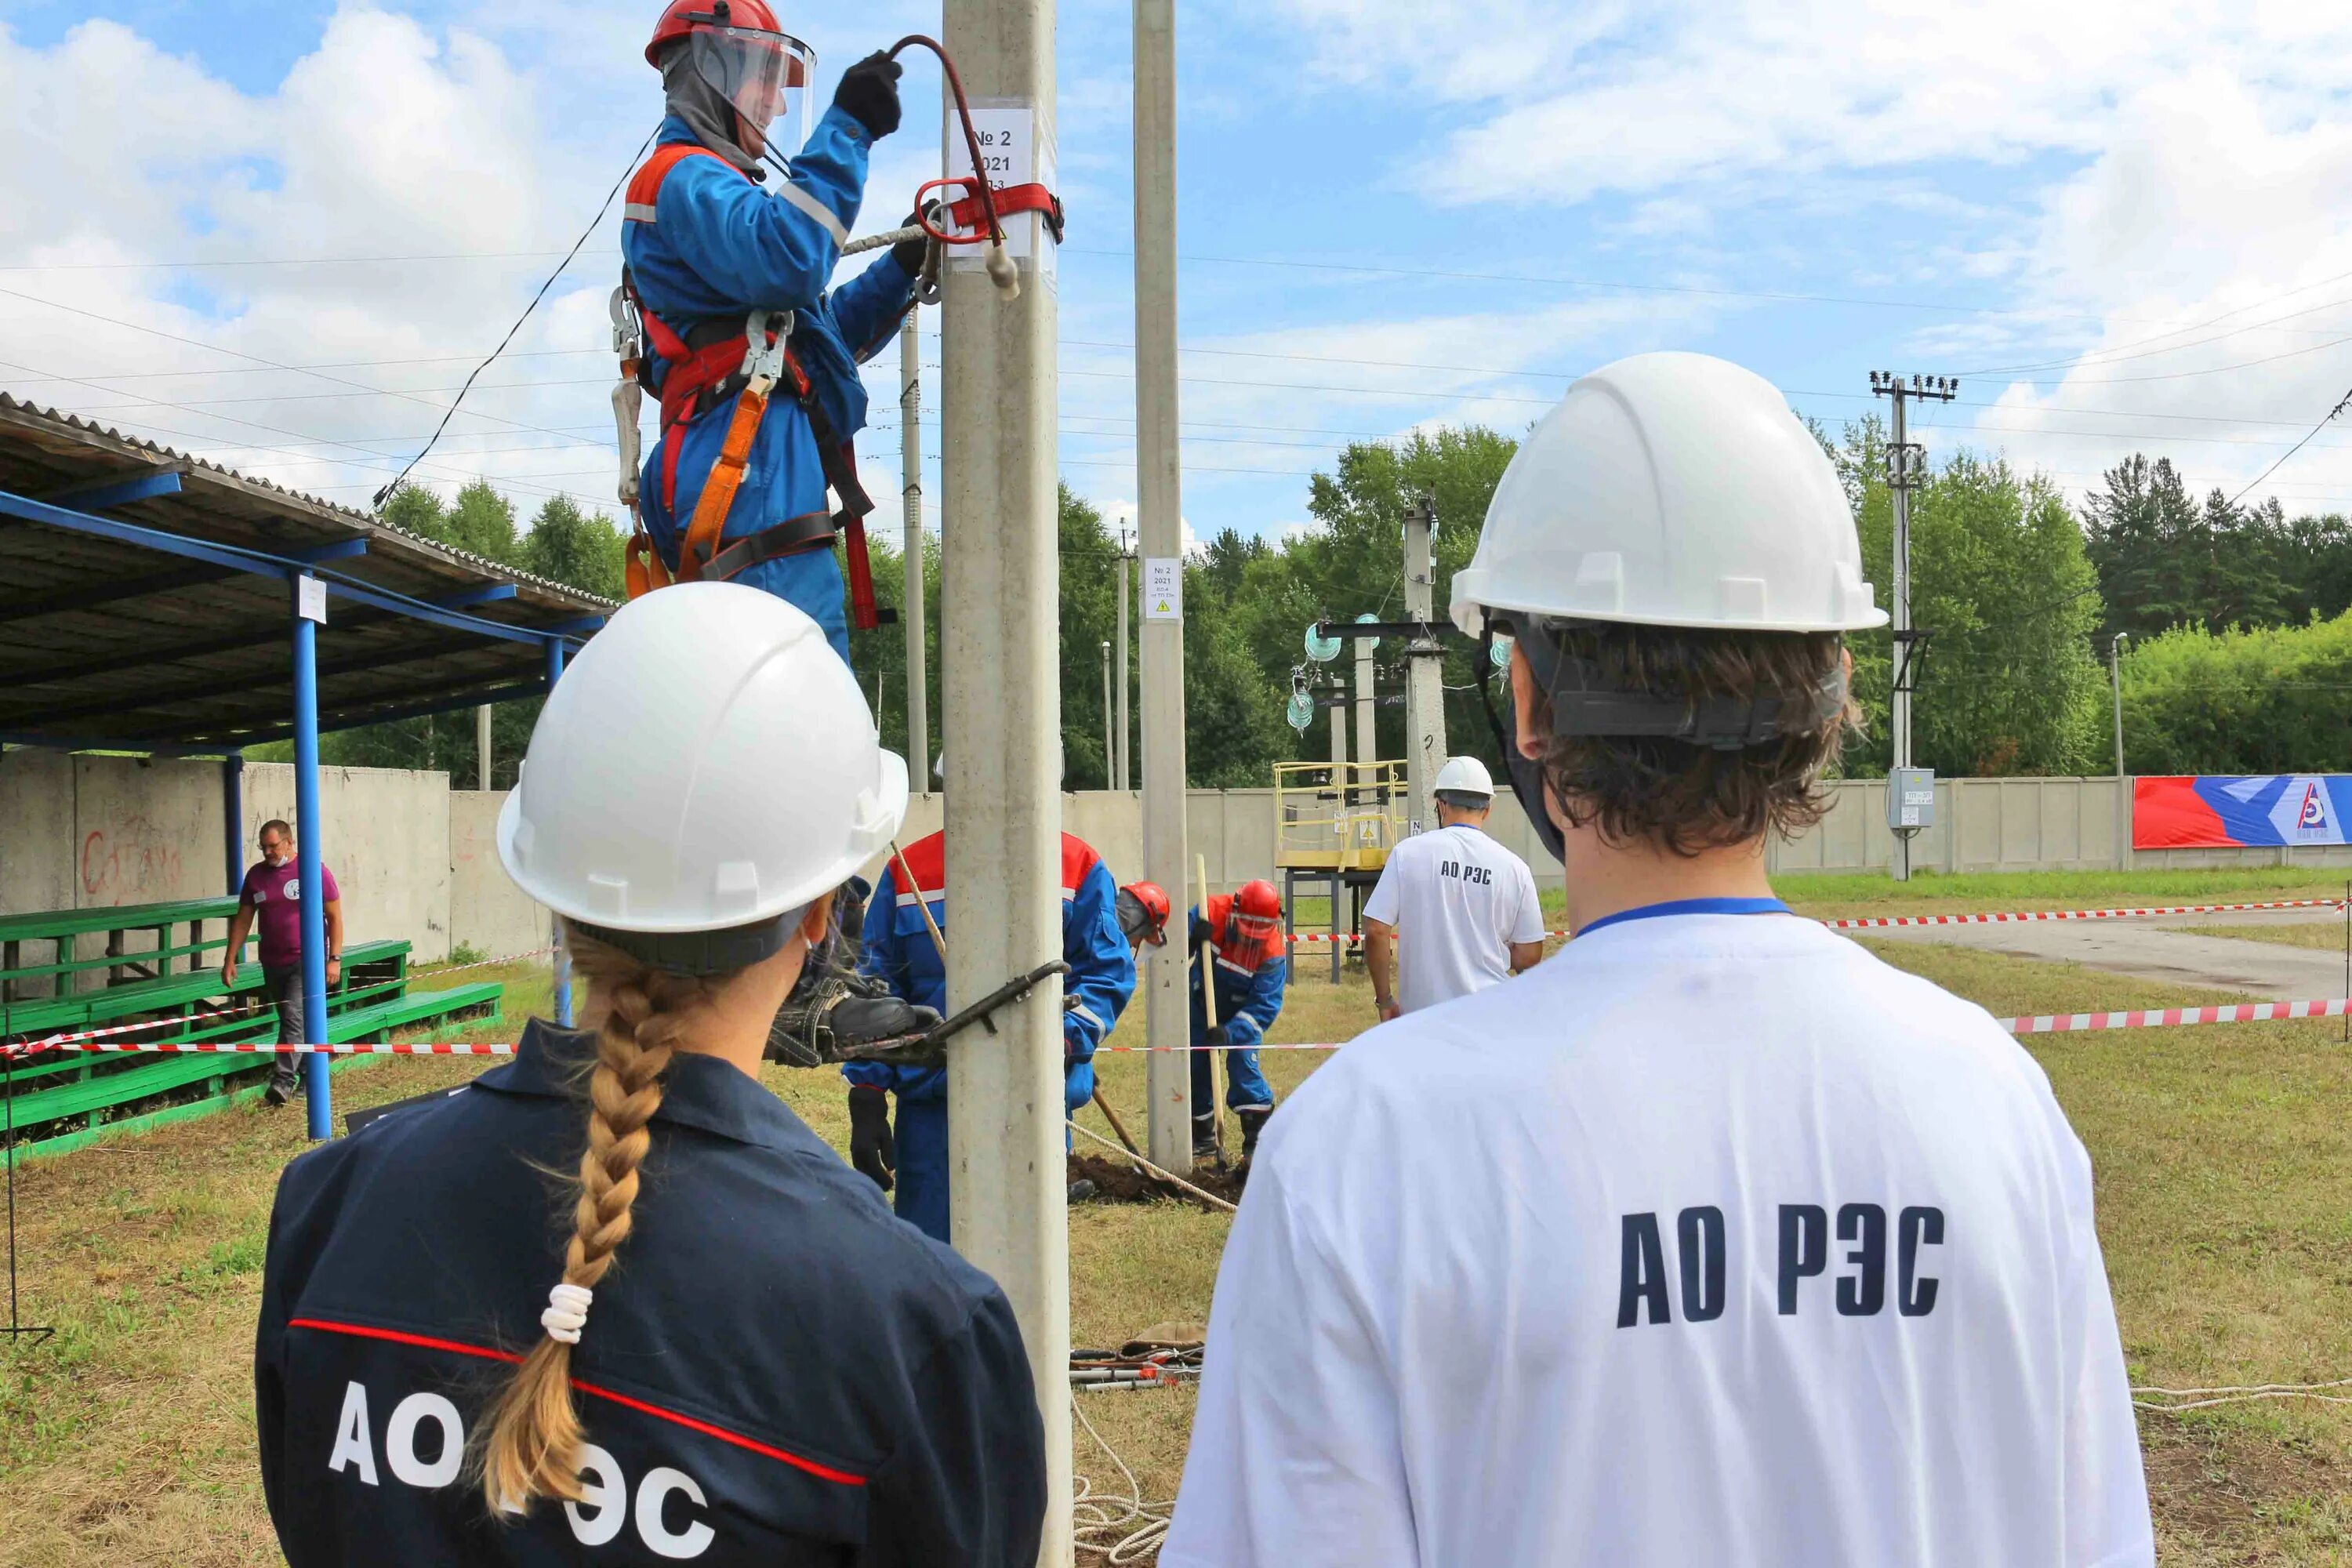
774 1372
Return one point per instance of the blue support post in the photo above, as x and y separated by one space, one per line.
233 827
563 958
307 834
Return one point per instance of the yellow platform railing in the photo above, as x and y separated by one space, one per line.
1338 817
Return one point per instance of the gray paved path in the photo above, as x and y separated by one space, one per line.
2158 949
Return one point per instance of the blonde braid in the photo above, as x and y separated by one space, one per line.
534 1448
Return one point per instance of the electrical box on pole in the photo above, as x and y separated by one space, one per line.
1425 689
1000 618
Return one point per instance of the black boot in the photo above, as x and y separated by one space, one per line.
1205 1135
1252 1123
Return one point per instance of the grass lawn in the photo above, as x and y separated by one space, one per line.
2225 1193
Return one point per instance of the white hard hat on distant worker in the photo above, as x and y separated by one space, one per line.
1666 490
704 769
1464 776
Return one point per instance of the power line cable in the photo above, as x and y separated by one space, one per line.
2291 451
592 225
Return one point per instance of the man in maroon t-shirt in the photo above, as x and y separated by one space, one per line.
273 893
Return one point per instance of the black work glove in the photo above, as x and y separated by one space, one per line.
1201 932
909 253
868 93
1217 1036
872 1149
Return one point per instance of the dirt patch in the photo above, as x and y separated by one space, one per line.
1118 1182
2218 1486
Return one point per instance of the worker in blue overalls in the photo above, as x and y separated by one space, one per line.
715 1345
1238 939
898 948
735 487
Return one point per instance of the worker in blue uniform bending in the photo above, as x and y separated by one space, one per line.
754 428
1237 938
898 948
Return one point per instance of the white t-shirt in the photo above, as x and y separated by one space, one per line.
1458 901
1712 1239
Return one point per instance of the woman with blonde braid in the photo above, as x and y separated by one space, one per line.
614 1302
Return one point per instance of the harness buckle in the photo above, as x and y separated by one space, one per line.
763 346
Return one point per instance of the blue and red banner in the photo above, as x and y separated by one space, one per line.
2222 810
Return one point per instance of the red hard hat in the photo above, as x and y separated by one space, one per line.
1143 912
1257 901
680 18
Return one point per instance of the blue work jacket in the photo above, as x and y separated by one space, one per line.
719 246
898 948
775 1371
1248 1000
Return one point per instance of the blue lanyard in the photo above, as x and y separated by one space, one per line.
1690 906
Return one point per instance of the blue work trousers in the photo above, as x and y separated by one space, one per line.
920 1197
1245 1085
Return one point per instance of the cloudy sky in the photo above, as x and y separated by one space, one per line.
279 236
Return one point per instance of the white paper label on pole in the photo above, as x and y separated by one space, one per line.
310 599
1164 587
1014 153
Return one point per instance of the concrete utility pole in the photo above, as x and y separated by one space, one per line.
910 510
1119 773
1368 739
1000 613
1110 740
1339 746
1160 514
482 747
2115 681
1425 687
1906 468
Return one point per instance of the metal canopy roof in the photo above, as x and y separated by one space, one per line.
145 602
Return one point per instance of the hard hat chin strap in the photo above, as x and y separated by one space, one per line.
1585 701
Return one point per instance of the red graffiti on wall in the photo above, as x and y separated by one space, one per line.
131 868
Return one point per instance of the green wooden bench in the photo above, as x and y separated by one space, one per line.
84 1009
40 1112
62 929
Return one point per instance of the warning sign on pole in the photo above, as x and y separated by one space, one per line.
1164 587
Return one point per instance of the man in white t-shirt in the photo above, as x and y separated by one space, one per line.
1467 906
1713 1238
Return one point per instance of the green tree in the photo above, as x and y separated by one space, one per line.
2270 700
482 522
2001 578
581 550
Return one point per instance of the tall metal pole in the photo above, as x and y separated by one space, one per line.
482 746
1368 739
1425 689
911 502
2115 681
562 965
1110 740
1122 775
1160 498
233 824
2123 780
1000 605
309 608
1904 467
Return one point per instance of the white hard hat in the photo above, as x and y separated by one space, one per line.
1671 490
1464 775
705 770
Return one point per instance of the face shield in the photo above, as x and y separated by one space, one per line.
766 77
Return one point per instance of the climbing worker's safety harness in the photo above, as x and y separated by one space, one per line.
712 362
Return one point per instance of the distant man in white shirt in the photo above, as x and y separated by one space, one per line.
1713 1238
1467 906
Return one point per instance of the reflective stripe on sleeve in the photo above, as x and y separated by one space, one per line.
816 209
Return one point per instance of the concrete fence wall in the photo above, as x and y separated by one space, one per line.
417 859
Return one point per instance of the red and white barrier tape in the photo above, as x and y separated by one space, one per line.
1883 922
2040 1023
257 1015
260 1048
